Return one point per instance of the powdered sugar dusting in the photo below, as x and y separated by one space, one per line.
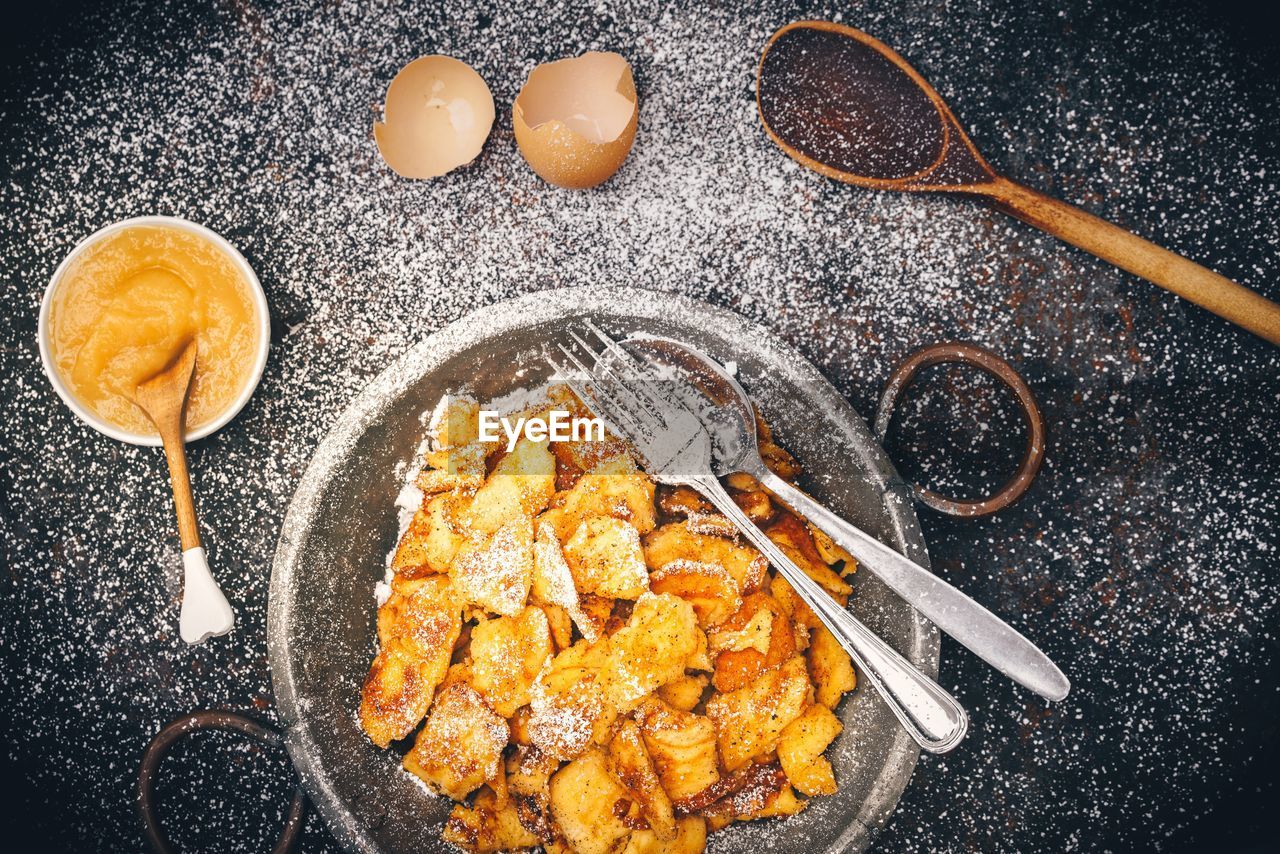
1143 559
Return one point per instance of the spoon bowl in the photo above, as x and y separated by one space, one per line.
712 393
849 107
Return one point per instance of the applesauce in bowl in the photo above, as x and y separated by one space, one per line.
127 300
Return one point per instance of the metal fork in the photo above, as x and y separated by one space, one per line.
675 449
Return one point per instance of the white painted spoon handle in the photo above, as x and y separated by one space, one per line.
206 612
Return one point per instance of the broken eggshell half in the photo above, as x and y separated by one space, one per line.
437 115
575 119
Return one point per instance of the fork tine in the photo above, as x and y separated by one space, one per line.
665 435
616 348
579 388
657 400
639 372
593 393
606 413
567 376
613 347
641 407
622 415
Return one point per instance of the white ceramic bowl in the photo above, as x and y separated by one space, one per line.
260 310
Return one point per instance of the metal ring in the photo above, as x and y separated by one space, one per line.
180 729
980 357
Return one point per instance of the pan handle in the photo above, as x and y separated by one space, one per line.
979 357
180 729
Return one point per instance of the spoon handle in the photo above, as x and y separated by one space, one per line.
929 714
175 454
1128 251
205 610
986 635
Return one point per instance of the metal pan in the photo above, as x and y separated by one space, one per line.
341 524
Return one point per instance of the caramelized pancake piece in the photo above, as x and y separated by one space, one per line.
460 469
674 541
792 605
779 804
410 554
779 461
741 637
495 572
560 624
711 524
684 693
507 653
682 746
831 553
460 746
800 751
614 488
755 504
432 538
756 791
750 720
599 612
576 458
691 838
488 826
411 600
681 501
553 582
605 558
630 763
585 800
417 627
568 709
830 668
793 538
651 650
522 484
701 658
529 773
756 635
455 422
708 587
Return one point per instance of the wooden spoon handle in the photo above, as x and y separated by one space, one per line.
176 455
1127 251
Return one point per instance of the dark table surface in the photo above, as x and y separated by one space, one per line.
1144 559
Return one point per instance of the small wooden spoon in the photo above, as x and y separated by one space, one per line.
847 106
205 611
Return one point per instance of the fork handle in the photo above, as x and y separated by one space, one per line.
982 632
929 714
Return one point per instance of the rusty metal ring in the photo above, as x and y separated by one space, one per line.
980 357
180 729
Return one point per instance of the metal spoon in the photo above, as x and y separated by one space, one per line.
732 424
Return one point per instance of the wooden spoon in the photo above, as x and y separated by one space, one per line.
847 106
205 611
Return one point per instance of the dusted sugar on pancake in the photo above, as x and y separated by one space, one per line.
593 662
